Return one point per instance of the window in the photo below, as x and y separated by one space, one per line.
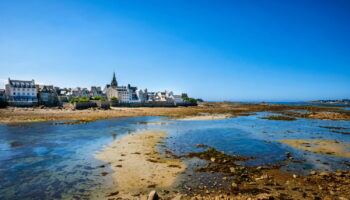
14 93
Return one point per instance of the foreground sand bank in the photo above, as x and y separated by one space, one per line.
321 146
138 166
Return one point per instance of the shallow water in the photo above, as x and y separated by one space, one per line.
45 161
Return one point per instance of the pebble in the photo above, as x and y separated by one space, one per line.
178 197
153 195
234 186
313 173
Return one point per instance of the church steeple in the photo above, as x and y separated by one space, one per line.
114 82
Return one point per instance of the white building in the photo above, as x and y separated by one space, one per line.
21 93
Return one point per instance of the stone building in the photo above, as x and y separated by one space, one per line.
47 96
2 98
125 94
77 93
96 91
21 93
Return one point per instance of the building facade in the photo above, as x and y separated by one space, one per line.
21 93
47 96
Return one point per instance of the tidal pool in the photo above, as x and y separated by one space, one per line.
45 161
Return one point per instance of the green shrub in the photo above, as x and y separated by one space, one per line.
96 98
74 100
102 99
114 98
192 100
84 99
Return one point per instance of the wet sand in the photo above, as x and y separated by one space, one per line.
138 166
321 146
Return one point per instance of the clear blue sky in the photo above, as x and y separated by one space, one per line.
215 50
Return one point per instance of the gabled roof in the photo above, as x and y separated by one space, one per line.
20 83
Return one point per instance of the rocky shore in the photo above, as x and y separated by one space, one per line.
141 171
204 111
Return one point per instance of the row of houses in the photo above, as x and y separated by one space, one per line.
27 93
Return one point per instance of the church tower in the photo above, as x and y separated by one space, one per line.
114 82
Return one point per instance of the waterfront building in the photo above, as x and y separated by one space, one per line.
125 94
21 93
77 93
2 98
47 95
2 95
96 91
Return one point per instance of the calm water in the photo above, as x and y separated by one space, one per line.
45 161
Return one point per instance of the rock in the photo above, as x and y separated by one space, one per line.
212 159
112 194
232 170
343 198
104 173
153 195
224 178
339 174
313 173
295 176
207 191
234 186
194 198
178 197
324 174
265 176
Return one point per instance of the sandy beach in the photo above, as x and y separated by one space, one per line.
138 166
321 146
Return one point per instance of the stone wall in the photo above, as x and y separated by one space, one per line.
102 104
22 103
86 105
3 104
80 105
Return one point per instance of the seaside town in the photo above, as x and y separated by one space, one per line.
25 93
103 100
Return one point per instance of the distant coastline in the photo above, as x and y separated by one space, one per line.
338 102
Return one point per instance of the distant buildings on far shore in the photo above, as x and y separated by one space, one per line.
27 93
